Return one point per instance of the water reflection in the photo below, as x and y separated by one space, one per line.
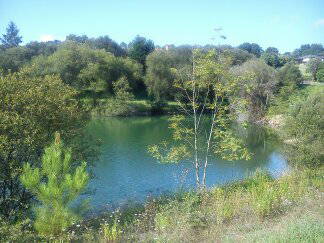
126 172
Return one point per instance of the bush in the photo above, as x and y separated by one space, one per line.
111 232
290 78
305 126
261 82
320 73
223 205
31 110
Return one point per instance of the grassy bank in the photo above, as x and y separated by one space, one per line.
258 209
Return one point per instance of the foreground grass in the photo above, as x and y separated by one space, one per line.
258 209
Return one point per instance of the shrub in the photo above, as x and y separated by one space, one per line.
290 78
111 232
223 205
265 199
305 126
320 73
31 110
260 87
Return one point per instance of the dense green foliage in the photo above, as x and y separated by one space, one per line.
320 73
85 68
139 48
102 42
12 59
289 79
159 75
252 48
309 49
56 183
313 67
42 48
261 86
32 109
305 128
11 37
91 65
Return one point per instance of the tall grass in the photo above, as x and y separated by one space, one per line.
231 212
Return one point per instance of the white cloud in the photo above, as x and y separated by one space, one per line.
319 22
45 38
275 19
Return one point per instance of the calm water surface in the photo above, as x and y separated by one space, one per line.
126 172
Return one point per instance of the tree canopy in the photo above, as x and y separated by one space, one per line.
159 76
289 79
309 49
261 82
11 37
139 48
252 48
82 67
32 110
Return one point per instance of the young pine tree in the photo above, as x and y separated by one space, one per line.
55 184
11 38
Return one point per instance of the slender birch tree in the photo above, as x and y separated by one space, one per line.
203 127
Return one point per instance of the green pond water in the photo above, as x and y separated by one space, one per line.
126 172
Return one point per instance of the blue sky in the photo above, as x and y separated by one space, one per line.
285 24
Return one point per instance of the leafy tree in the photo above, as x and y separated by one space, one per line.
272 50
272 58
123 45
123 94
85 68
304 126
56 183
78 39
239 56
313 67
120 104
32 109
320 73
183 55
104 42
12 59
11 38
307 49
159 76
205 86
252 48
289 79
122 89
260 87
42 48
139 49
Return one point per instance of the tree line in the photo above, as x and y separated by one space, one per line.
93 65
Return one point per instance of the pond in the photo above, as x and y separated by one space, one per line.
126 172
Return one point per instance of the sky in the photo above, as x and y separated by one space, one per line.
285 24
